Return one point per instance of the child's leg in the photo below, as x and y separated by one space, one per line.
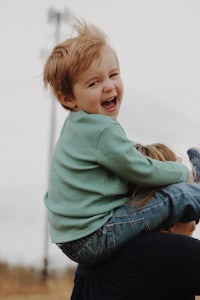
194 156
175 203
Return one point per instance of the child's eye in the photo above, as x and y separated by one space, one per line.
93 83
114 74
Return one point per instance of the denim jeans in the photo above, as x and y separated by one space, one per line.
176 202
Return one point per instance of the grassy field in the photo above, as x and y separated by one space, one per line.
19 283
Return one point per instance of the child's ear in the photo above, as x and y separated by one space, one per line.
66 100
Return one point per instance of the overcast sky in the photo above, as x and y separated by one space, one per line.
158 44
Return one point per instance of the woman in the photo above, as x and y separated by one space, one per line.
153 266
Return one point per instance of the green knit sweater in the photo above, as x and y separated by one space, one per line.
92 164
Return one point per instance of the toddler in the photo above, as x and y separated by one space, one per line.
94 161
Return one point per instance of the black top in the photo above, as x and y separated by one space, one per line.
153 266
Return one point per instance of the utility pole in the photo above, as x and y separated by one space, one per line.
55 17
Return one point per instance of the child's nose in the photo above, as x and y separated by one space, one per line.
108 85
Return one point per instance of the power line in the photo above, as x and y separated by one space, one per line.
55 17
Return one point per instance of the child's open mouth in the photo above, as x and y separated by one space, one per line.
109 104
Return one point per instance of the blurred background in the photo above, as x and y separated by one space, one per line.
158 44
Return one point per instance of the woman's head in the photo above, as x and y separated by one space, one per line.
157 151
163 153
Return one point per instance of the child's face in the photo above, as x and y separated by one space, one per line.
99 89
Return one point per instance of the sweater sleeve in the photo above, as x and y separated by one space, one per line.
118 154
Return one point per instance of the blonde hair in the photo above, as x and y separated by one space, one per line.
73 56
156 151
